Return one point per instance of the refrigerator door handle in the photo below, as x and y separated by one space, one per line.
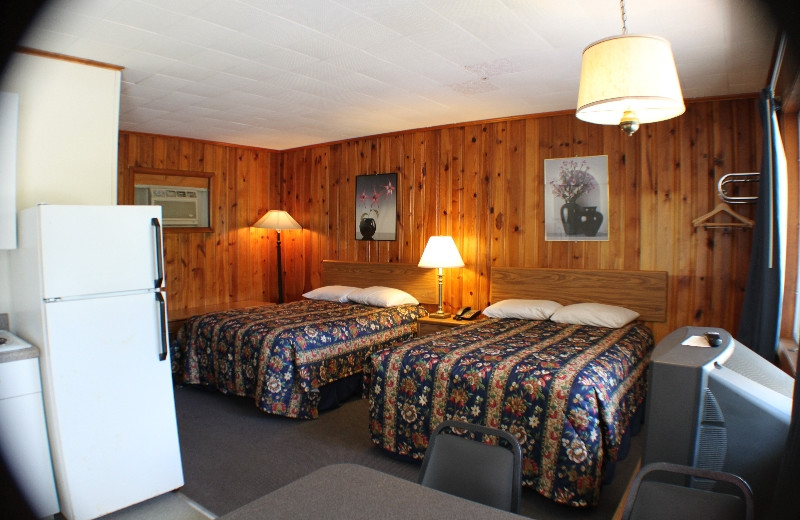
162 355
159 254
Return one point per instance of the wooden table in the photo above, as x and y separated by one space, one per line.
359 493
178 316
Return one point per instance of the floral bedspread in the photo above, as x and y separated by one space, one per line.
282 354
566 392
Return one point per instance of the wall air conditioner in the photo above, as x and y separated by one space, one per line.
179 207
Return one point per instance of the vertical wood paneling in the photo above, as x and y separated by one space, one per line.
395 164
233 261
483 184
531 220
470 180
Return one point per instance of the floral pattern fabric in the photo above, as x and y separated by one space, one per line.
566 392
280 355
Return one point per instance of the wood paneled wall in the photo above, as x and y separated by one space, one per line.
233 262
483 184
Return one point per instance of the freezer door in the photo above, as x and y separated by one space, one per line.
98 249
110 404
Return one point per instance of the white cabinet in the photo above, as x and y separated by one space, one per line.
23 434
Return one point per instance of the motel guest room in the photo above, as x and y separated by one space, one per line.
399 259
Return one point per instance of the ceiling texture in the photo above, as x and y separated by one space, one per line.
281 74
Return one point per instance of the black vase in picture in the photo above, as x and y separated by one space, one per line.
367 227
591 219
571 218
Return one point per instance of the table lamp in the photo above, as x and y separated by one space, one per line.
440 252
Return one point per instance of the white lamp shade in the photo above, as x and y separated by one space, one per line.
277 219
441 251
629 73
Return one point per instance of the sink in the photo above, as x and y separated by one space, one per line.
11 342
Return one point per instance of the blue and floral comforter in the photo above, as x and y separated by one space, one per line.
566 392
282 354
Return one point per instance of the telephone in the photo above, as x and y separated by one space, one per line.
466 313
713 339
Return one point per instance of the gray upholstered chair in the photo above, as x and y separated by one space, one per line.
470 468
712 495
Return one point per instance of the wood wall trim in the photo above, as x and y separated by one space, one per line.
204 141
166 171
430 128
64 57
728 97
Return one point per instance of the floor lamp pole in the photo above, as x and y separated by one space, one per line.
280 269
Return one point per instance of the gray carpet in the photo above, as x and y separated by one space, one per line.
233 453
174 506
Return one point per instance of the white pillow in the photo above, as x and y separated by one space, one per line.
525 309
378 296
331 293
597 314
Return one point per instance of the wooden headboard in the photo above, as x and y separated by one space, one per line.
419 282
642 291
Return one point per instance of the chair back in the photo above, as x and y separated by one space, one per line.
668 498
467 467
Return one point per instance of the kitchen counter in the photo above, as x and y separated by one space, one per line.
14 349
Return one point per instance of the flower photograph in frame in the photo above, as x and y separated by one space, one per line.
576 198
376 207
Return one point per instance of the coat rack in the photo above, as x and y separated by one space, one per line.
738 220
737 178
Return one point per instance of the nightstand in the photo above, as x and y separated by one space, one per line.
428 325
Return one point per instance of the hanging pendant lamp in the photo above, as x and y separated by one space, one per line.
629 80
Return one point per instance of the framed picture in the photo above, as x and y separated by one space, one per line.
576 198
376 207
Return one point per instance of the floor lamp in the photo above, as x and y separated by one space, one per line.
278 220
440 252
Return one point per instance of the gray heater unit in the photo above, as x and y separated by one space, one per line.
718 407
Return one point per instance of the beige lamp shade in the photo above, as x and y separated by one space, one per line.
277 219
441 251
629 73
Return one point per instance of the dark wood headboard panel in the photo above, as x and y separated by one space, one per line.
642 291
421 283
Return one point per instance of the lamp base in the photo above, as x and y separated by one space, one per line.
439 315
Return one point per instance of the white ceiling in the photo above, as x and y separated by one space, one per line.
286 73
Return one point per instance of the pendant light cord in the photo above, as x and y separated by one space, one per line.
624 16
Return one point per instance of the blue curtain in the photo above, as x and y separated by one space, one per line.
759 326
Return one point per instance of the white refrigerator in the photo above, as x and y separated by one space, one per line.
87 287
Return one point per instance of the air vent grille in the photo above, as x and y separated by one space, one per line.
712 441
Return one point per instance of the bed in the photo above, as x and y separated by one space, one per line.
568 392
295 359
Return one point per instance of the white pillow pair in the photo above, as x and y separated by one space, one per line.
377 296
596 314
